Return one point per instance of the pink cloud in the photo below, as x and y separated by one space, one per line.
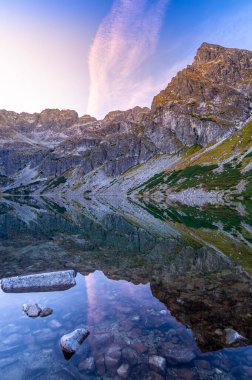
125 41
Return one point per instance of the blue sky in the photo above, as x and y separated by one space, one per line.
100 55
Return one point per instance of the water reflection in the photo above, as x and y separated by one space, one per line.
142 295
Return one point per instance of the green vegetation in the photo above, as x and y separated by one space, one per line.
204 176
192 149
23 189
237 145
203 168
209 216
247 193
203 224
54 206
54 183
249 155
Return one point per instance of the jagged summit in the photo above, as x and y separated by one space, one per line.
208 52
215 89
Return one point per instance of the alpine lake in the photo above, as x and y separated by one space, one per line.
165 291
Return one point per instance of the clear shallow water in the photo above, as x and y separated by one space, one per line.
139 294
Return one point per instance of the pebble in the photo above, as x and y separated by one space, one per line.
123 371
157 363
32 311
233 336
176 354
46 312
87 365
130 356
54 324
100 365
71 342
112 359
13 340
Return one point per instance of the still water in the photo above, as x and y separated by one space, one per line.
157 288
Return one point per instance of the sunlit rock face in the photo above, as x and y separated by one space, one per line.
204 102
208 98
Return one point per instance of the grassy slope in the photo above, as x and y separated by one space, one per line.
217 167
203 225
197 167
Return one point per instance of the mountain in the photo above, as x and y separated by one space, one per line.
57 151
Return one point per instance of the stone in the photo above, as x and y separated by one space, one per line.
123 371
46 312
45 336
218 332
13 340
100 364
54 324
32 310
155 376
176 354
139 346
130 356
103 339
71 342
87 365
113 359
157 363
233 336
42 282
186 373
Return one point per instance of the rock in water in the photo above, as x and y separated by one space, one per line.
71 342
46 312
88 365
32 311
123 371
42 282
233 336
157 363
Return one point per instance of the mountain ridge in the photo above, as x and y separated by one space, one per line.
205 102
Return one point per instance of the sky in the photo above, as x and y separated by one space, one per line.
103 55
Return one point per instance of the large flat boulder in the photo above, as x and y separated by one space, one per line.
42 282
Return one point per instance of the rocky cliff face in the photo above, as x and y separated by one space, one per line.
204 102
208 98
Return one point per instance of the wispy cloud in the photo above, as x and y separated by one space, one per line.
120 53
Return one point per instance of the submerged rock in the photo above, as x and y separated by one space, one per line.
87 365
42 282
233 336
157 363
71 342
123 371
176 354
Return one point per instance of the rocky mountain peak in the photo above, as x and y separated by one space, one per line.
135 114
85 119
223 65
209 98
59 118
207 53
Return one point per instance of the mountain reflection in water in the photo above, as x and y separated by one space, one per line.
139 293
